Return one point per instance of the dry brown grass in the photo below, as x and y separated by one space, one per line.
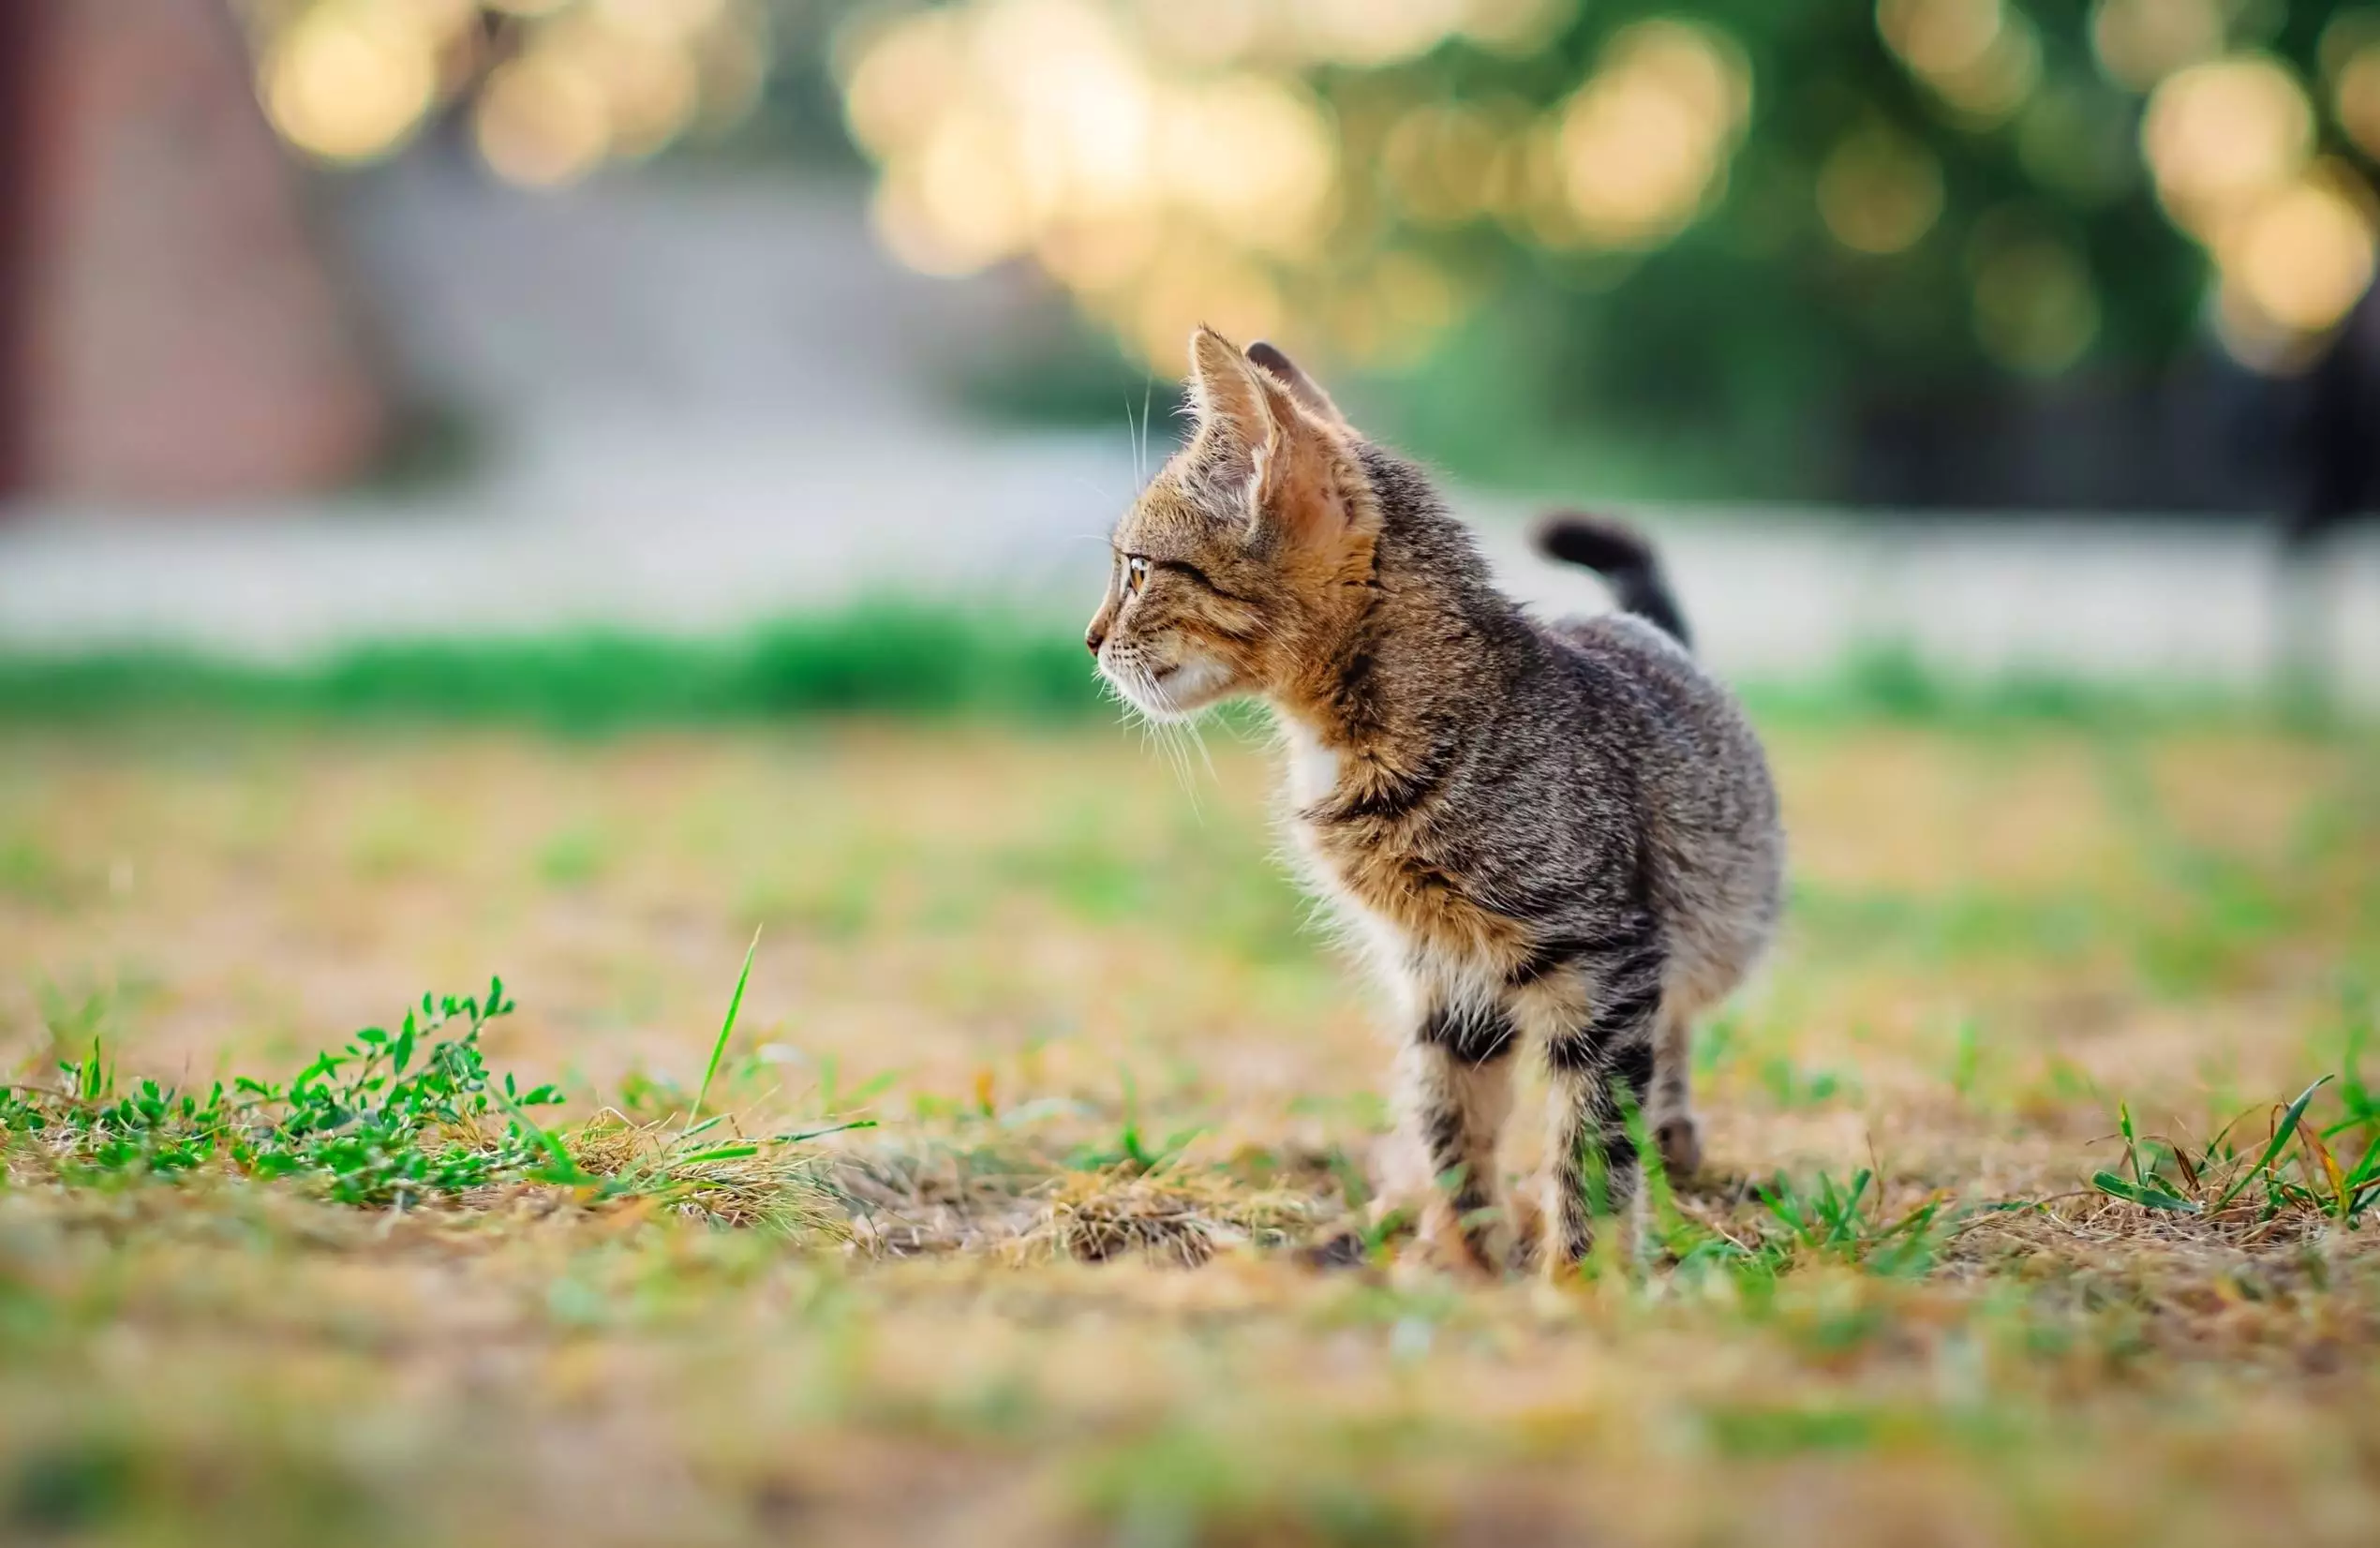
1107 1272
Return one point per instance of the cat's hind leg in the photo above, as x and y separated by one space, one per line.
1670 1110
1599 1074
1454 1080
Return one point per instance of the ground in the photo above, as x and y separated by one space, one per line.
1107 1268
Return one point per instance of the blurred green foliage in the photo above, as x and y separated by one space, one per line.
903 660
1725 247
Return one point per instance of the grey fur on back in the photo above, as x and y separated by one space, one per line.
1599 790
1602 769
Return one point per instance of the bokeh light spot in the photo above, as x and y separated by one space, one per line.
2304 256
2140 42
1644 142
1879 191
542 122
349 81
2356 99
2036 310
1981 57
2224 133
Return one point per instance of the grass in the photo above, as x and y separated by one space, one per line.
402 1120
1017 1183
368 1124
881 658
890 659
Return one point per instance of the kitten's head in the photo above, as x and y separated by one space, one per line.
1250 550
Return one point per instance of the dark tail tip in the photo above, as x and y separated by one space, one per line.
1623 558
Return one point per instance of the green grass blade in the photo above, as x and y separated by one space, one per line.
800 1134
2141 1194
566 1170
2289 1126
720 1153
2368 1168
726 1028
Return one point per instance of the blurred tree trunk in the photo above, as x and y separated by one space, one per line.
178 335
20 41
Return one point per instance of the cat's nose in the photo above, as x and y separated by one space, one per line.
1094 638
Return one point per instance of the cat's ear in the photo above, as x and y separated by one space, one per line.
1229 394
1310 397
1302 478
1246 416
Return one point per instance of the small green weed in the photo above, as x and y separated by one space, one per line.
1843 1221
30 873
386 1119
1791 1086
574 857
1131 1151
392 1120
1823 1219
2218 1180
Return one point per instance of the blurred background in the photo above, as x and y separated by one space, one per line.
2022 334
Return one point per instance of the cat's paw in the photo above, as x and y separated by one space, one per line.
1470 1251
1681 1141
1528 1232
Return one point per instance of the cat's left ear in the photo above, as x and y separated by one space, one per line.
1232 396
1301 476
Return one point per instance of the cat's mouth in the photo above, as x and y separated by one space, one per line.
1176 692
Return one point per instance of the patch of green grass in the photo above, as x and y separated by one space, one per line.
2324 1166
1774 1430
1891 682
906 659
1791 1085
1845 1221
878 658
1084 872
1815 1220
1185 1486
574 857
392 1120
1133 1151
1965 924
388 1119
28 870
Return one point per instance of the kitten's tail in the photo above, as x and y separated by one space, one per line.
1620 555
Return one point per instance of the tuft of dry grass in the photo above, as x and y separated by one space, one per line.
770 1183
1172 1215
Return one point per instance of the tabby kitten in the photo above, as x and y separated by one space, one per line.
1556 835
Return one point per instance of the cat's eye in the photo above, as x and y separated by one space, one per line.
1136 574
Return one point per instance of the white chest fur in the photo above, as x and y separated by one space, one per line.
1314 768
1313 775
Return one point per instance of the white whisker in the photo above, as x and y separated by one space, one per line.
1148 385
